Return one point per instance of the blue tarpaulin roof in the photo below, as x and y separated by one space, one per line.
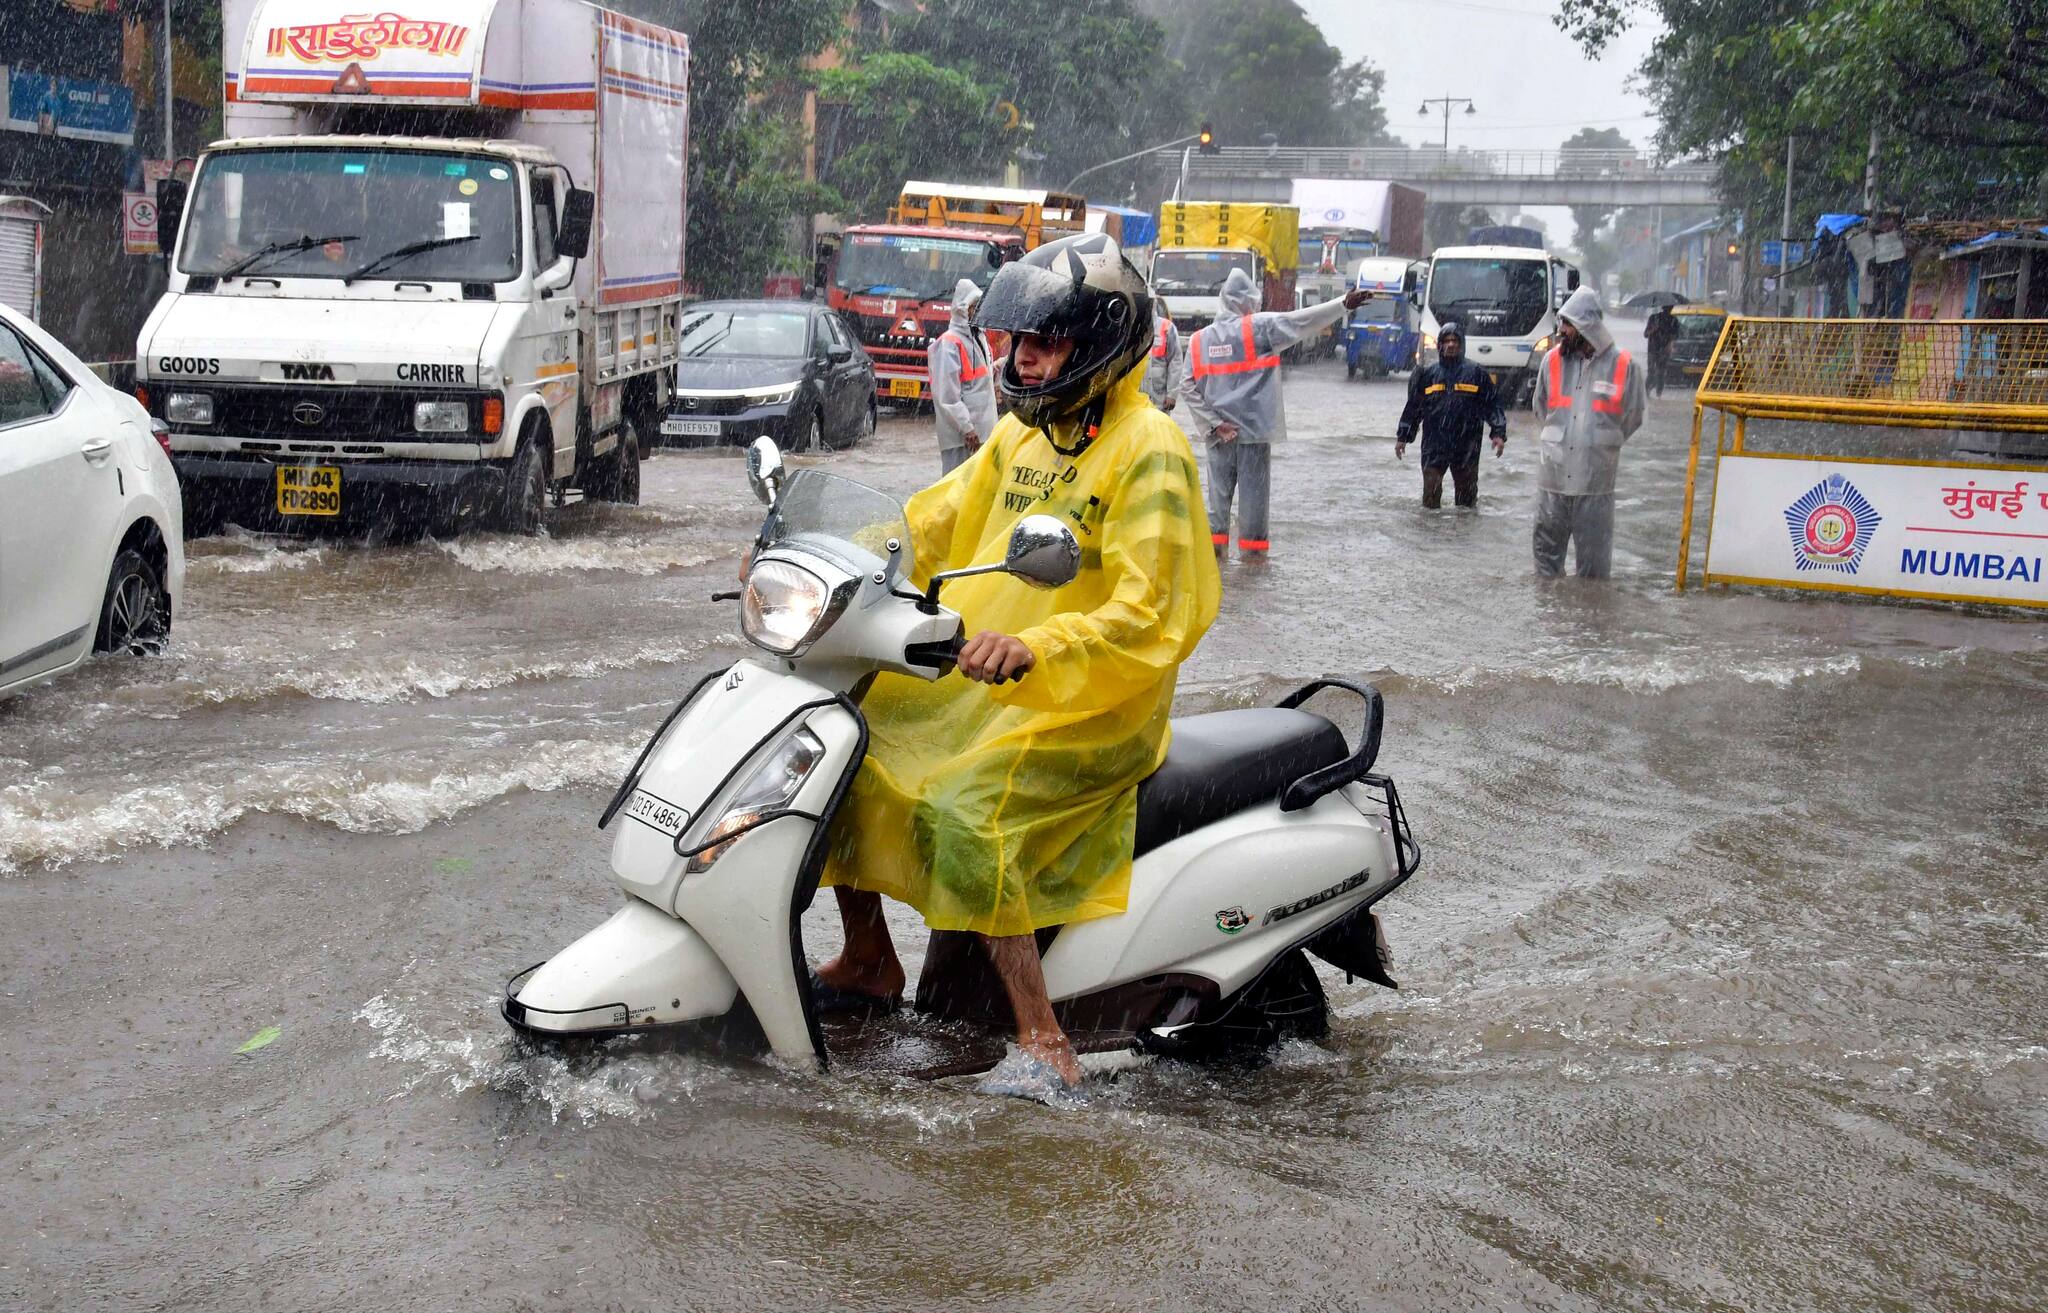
2017 237
1834 225
1139 227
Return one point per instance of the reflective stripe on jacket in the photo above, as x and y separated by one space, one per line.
1234 370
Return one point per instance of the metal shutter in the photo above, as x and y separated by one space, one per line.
18 265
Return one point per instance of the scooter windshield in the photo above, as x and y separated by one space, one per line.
847 523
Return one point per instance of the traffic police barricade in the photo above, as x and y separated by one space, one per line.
1895 458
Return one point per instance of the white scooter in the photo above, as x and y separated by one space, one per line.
1261 837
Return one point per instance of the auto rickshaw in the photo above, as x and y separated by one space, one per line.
1382 335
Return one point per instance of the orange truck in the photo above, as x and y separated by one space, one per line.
893 282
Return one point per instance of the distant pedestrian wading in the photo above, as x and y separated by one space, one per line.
1589 399
1233 395
1453 403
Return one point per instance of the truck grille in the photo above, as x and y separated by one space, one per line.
310 414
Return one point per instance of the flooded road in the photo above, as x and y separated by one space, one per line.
1722 977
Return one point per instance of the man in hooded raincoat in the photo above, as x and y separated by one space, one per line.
1010 804
1164 364
1588 400
1453 402
963 388
1233 393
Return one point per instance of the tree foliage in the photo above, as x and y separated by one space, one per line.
1087 78
746 145
1957 91
1260 66
895 116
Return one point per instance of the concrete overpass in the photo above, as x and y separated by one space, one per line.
1513 179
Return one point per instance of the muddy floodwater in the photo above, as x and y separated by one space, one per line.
1723 978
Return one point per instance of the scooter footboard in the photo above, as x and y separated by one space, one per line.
642 968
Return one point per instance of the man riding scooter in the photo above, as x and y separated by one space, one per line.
1004 803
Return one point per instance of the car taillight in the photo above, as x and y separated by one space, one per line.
162 432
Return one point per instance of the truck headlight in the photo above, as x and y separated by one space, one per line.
440 417
1540 345
188 408
769 789
782 607
773 396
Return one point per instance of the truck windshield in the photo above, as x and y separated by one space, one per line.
919 268
1492 298
1192 273
1350 251
327 212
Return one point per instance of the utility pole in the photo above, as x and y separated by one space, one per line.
1870 176
170 145
1447 102
1785 235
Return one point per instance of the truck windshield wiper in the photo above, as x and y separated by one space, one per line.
404 252
294 245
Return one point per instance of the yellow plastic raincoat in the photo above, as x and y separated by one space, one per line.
1004 808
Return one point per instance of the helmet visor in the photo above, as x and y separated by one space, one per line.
1026 298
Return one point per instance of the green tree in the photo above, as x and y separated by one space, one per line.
1586 219
747 187
1260 66
1956 91
1086 76
898 116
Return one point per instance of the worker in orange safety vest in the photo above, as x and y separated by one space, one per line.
963 388
1588 400
1233 393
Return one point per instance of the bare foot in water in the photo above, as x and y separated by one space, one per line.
881 979
1055 1050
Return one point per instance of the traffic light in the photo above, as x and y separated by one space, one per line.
1733 250
1207 140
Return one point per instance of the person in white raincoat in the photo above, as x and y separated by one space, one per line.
1233 393
1588 400
1165 365
963 388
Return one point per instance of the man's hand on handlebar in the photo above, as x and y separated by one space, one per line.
994 658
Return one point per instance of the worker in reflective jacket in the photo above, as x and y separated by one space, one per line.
1164 365
963 390
1588 400
1453 403
1233 395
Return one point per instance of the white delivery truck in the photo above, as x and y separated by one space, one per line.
434 273
1507 298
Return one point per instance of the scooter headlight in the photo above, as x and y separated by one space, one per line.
782 607
770 788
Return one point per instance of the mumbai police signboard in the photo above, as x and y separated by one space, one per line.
1954 532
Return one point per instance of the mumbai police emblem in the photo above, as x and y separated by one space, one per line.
1831 526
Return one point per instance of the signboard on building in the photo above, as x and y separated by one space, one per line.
1957 533
138 223
58 106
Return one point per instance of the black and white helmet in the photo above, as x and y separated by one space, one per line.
1078 287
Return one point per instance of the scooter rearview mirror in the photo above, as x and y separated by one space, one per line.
765 470
1043 552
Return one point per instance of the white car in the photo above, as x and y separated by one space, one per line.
92 555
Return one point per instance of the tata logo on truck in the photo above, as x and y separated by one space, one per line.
296 373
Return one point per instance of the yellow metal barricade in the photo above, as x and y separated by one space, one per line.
1886 457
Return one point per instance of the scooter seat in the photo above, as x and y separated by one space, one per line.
1225 761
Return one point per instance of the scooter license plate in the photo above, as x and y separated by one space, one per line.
657 813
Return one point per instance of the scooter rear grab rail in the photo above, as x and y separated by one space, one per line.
1359 764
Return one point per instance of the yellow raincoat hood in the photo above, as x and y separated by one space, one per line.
1006 808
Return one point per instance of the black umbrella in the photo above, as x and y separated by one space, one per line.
1655 300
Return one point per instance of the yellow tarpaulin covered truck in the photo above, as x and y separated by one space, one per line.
1200 242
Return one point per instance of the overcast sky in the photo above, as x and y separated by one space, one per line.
1532 86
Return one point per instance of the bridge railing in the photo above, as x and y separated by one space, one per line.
1405 163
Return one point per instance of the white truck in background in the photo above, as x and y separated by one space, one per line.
433 275
1506 298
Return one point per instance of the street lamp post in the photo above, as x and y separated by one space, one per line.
1447 102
